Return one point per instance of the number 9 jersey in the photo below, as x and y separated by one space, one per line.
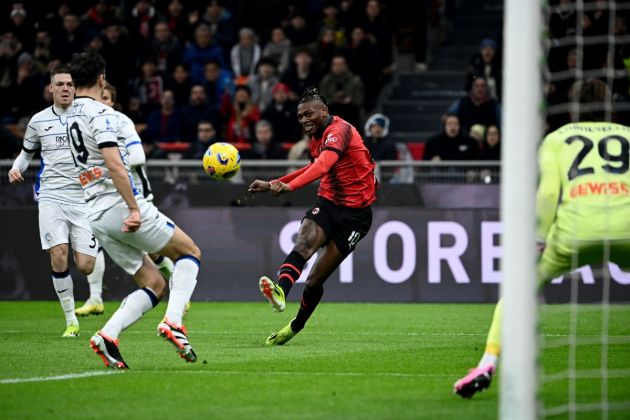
92 126
584 190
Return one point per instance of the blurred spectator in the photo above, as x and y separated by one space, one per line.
486 64
165 48
302 74
282 114
365 60
264 146
9 49
177 21
301 149
298 31
134 111
376 131
221 23
180 83
325 49
218 82
197 109
141 23
241 116
451 143
151 151
491 149
206 135
558 91
164 124
278 49
148 87
27 96
20 26
199 52
477 107
69 39
377 28
97 17
245 54
10 144
41 52
121 64
344 91
331 21
477 132
262 83
421 35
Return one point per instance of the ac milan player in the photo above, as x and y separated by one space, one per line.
341 217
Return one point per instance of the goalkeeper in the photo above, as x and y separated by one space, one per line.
583 206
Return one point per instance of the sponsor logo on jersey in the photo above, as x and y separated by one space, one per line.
330 138
46 129
108 125
102 110
600 188
315 210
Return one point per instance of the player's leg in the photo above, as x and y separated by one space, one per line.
62 282
94 304
54 230
164 264
311 236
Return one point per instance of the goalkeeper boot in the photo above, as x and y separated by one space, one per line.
273 293
72 330
281 337
107 349
178 336
91 307
477 380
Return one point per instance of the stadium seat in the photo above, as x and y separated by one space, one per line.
416 150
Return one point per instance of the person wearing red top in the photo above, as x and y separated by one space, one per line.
342 213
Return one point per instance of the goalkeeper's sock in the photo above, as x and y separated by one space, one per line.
310 298
493 343
62 282
290 271
95 279
183 282
131 310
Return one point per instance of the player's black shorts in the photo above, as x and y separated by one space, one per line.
345 226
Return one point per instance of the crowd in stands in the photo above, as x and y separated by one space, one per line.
180 65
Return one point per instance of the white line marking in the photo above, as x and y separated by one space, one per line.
58 377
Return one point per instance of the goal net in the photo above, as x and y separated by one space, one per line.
569 359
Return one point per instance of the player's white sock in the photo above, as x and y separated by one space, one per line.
95 279
488 359
165 265
131 309
62 283
183 282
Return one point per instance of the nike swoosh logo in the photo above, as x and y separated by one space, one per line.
46 129
61 291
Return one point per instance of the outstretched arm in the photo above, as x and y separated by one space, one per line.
19 166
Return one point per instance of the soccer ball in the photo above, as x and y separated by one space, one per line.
221 161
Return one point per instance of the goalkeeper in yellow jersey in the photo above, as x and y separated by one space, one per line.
583 206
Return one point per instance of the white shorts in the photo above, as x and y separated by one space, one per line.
57 221
128 249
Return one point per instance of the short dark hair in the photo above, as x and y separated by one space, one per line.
85 68
312 94
59 70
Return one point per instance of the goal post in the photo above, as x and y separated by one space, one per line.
522 129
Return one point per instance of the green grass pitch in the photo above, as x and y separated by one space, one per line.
352 361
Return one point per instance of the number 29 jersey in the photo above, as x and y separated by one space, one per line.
584 190
92 126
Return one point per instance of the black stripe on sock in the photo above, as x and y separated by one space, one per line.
58 275
154 299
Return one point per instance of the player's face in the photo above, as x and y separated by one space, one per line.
312 116
106 98
62 89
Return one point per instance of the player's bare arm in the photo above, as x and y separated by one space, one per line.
120 177
259 186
